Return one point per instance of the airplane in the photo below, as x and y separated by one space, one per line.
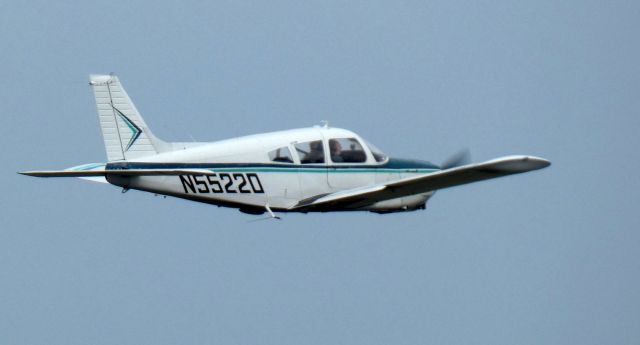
316 169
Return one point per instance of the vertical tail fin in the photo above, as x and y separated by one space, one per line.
126 135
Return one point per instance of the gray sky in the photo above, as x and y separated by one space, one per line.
549 257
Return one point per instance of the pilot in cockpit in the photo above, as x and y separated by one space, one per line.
316 154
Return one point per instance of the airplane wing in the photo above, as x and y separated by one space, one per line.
360 197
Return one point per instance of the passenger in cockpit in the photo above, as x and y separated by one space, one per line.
336 151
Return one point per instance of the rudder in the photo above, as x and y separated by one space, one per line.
126 135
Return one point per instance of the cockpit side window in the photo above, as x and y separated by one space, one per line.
310 152
281 155
347 150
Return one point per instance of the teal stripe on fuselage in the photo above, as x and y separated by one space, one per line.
392 166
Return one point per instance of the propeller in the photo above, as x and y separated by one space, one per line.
460 158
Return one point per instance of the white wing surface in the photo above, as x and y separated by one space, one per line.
360 197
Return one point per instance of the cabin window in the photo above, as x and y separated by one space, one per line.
310 152
281 155
346 150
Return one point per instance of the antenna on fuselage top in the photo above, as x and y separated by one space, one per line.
325 123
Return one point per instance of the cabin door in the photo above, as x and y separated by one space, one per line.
312 171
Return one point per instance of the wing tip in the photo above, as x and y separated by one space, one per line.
537 162
520 163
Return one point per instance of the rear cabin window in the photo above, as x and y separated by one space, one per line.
281 155
346 150
310 152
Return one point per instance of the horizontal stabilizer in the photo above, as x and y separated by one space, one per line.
95 173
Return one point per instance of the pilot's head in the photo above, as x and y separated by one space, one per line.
335 147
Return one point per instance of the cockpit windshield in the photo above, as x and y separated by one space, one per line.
376 152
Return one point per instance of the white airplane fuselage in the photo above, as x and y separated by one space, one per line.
236 174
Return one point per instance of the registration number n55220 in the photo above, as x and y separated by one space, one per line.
221 183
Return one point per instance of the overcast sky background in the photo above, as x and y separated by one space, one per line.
549 257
